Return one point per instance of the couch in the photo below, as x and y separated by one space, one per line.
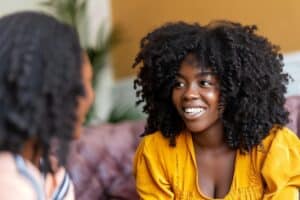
293 106
100 163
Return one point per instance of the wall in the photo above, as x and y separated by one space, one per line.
9 6
99 14
277 19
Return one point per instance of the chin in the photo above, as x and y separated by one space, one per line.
201 126
195 127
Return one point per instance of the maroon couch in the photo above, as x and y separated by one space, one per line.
293 106
100 163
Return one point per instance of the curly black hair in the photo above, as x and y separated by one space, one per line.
40 82
249 67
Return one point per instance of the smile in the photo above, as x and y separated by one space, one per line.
193 112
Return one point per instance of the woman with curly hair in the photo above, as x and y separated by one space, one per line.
214 96
45 92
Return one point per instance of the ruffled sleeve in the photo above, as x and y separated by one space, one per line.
151 181
281 166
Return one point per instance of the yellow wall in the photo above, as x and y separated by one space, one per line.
279 20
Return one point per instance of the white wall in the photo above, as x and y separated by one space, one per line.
292 66
99 11
9 6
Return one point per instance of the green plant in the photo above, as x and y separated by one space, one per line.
74 13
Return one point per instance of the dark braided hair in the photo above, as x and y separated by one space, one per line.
250 69
40 82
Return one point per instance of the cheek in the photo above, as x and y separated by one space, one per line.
175 98
81 108
85 102
213 98
90 96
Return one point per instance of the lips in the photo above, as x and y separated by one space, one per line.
192 113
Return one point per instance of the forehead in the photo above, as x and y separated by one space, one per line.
193 65
191 72
193 60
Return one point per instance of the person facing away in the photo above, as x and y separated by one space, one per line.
214 96
45 92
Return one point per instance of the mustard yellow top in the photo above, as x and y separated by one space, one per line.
269 171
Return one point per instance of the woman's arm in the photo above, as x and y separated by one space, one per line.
281 168
151 181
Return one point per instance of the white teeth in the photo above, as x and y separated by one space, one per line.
193 110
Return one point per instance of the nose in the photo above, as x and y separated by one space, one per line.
192 92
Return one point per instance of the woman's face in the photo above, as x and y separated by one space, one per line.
85 101
196 96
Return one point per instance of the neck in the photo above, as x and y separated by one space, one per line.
210 139
32 152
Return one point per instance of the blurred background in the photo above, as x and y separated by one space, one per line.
100 162
110 31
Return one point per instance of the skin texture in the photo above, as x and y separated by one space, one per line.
197 87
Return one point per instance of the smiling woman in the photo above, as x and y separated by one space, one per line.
214 96
196 96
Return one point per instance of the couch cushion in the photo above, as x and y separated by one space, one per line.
292 104
100 163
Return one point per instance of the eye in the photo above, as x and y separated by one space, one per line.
205 83
179 84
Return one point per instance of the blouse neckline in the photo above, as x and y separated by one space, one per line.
236 166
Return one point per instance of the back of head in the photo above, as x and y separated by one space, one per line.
40 81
